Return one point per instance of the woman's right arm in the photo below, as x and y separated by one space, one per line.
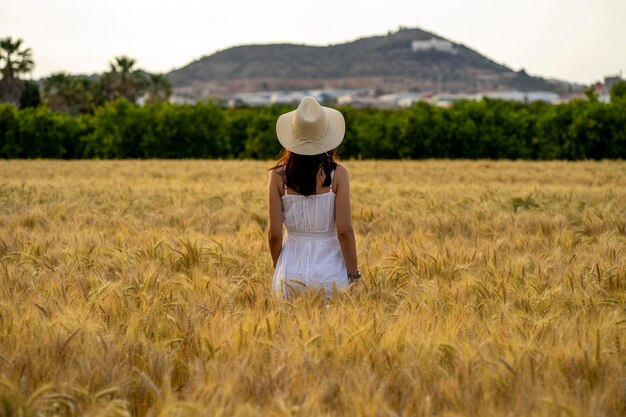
343 219
275 217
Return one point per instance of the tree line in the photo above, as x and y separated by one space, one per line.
75 94
96 117
579 129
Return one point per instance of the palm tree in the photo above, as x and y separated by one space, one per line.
66 93
69 94
123 80
14 61
58 91
85 94
159 88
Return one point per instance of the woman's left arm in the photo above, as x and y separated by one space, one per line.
275 216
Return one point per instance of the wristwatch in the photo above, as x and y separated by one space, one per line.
354 277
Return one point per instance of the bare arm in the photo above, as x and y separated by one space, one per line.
275 216
343 219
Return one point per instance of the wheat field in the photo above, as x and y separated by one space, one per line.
143 288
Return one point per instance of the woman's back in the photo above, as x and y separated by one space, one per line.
310 215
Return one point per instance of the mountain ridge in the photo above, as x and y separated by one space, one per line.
386 63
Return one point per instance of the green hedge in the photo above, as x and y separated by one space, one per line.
579 129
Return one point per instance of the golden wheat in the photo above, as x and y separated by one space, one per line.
144 288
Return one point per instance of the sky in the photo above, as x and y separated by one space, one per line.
573 40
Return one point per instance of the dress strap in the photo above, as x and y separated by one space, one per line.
285 181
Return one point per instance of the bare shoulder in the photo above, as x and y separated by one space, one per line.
276 175
341 172
341 178
276 179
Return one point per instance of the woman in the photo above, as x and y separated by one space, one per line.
310 193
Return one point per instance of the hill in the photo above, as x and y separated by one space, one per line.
409 59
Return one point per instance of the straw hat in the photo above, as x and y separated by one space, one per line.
311 129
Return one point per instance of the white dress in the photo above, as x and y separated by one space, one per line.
311 255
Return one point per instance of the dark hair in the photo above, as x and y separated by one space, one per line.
301 171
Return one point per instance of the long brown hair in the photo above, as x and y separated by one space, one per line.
300 171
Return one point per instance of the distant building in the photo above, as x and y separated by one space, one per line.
447 99
505 95
357 100
332 94
368 98
433 45
610 81
141 101
524 96
267 98
250 99
603 90
181 100
401 99
288 97
545 96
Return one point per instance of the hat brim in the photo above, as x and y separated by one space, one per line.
331 139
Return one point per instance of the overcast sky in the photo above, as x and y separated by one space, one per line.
574 40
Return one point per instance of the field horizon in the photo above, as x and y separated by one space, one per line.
143 288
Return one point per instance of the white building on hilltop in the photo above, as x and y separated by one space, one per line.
433 45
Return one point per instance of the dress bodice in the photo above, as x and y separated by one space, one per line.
314 214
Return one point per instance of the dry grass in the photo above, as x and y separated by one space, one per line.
143 288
